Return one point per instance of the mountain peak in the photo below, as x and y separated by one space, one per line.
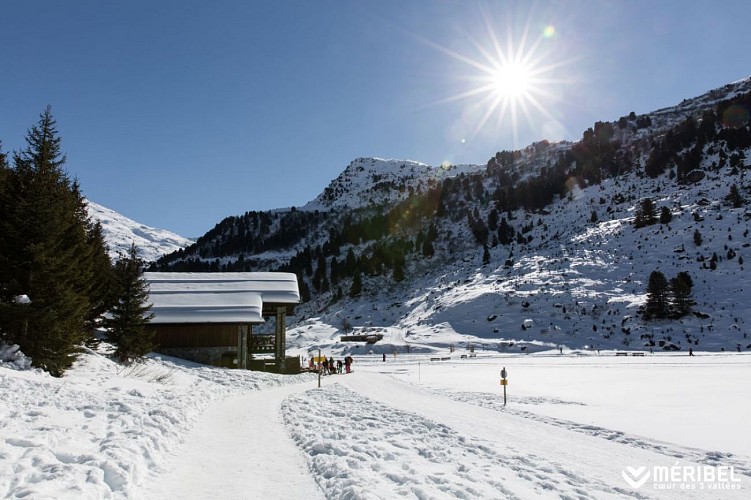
378 181
120 232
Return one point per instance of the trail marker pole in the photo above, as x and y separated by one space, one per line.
504 383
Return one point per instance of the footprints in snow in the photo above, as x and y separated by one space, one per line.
374 447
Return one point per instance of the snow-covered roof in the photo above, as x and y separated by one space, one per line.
218 297
277 288
206 307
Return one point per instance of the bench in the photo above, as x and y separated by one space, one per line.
637 354
621 354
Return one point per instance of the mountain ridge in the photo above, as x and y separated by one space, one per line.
120 232
542 240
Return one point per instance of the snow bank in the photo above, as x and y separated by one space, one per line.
98 431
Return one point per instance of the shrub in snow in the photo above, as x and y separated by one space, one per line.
12 357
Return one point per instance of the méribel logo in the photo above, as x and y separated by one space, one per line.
635 476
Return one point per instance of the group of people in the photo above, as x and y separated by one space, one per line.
329 366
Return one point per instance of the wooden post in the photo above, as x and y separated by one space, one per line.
250 342
281 337
242 346
504 383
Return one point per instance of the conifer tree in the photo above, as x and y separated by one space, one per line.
304 290
356 288
697 238
98 278
43 244
399 268
646 213
127 325
350 263
506 232
734 197
4 173
427 248
665 216
657 296
680 288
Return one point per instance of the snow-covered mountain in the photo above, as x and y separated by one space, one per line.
376 181
535 249
120 232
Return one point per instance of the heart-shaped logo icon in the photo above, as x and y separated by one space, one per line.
635 476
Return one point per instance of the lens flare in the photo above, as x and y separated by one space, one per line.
735 116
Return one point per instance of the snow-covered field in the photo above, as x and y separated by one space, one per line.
576 425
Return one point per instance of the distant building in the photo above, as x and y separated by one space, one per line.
208 317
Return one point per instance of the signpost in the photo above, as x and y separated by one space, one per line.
504 383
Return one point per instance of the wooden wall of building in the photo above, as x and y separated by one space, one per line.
195 335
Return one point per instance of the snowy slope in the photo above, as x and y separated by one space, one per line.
576 283
580 286
120 232
408 428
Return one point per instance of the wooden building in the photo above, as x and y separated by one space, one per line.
209 317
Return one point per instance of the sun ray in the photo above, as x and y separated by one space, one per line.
513 78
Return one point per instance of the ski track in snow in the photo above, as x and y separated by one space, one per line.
342 433
254 459
711 458
373 436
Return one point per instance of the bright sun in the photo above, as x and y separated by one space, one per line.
510 79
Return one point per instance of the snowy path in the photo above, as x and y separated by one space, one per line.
240 449
371 436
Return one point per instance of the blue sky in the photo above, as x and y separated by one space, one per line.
180 113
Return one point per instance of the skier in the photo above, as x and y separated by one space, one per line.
690 351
